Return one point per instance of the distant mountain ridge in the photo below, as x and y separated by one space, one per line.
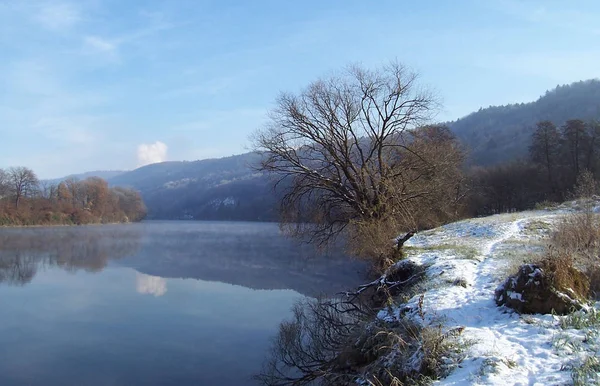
231 189
104 174
501 133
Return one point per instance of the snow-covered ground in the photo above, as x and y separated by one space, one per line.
468 260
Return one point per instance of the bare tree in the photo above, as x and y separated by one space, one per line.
48 190
4 183
343 152
23 182
575 137
545 150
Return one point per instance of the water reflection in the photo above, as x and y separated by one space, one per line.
247 254
153 285
155 303
23 251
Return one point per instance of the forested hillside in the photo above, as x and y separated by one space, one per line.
213 189
503 133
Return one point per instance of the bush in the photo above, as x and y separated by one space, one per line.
375 240
578 234
586 186
564 276
341 342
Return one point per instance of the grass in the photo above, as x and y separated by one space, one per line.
588 372
492 365
421 354
580 320
463 251
537 227
546 205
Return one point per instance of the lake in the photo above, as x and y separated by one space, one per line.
154 303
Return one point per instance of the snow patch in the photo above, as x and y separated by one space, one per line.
508 349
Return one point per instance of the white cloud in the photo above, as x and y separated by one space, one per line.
152 285
58 15
151 153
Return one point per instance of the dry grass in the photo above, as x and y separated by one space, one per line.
375 240
576 241
413 354
563 275
578 234
330 342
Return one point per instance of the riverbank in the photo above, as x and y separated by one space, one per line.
432 318
466 261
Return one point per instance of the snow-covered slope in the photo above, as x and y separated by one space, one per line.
468 259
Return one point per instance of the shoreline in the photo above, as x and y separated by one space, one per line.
66 225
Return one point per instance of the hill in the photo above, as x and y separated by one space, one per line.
502 133
212 189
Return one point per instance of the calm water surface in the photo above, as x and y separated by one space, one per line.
183 303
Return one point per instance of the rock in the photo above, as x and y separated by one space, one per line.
531 291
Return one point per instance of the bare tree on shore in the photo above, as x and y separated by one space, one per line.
344 149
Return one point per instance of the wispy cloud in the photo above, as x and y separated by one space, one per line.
102 47
77 130
57 16
99 44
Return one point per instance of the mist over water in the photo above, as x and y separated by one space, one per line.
151 303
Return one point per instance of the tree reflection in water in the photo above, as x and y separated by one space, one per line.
24 251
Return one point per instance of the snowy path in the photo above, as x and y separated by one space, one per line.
468 260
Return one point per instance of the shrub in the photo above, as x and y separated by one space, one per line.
578 234
585 186
375 240
341 342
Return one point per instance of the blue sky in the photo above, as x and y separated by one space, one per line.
114 84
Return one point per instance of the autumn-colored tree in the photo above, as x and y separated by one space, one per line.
96 195
69 202
64 194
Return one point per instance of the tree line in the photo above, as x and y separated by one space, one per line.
562 160
25 200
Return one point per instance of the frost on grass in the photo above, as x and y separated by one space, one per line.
330 342
579 342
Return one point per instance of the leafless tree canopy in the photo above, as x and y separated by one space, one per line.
344 150
23 182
